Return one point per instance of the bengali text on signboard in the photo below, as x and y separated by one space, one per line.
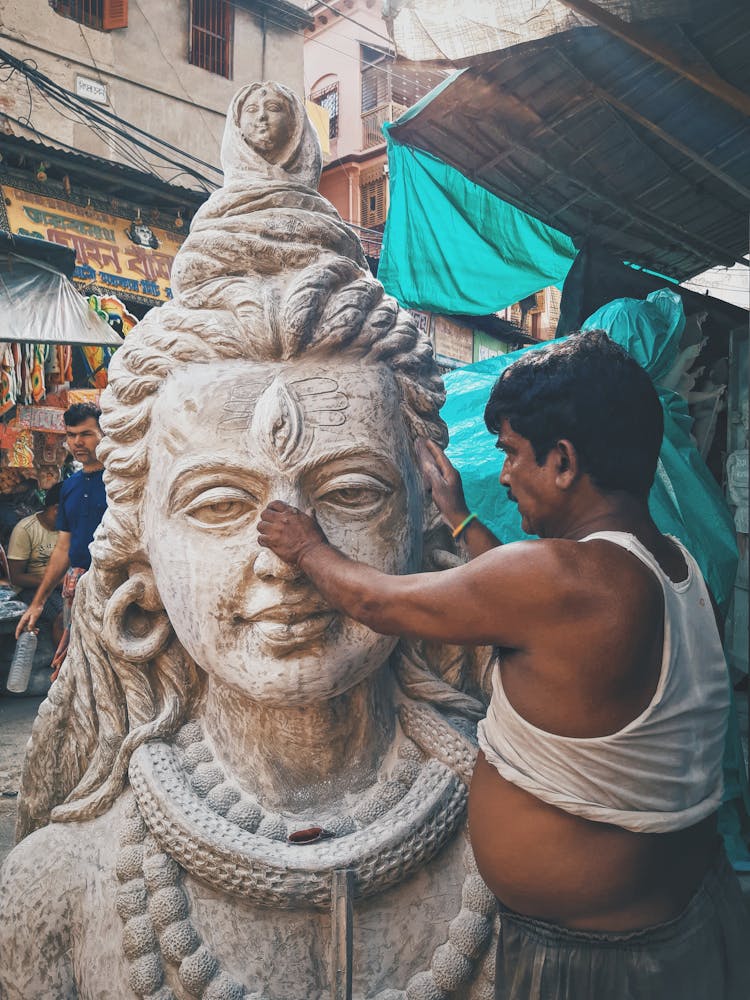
105 254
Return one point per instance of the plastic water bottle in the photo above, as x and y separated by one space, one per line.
23 658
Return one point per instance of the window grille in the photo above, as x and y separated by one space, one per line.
107 15
211 35
387 91
372 203
328 98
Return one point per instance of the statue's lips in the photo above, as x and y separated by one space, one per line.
282 623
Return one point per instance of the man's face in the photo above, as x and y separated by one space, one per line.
530 485
82 440
226 440
264 120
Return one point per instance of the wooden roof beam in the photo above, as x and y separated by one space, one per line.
626 110
641 40
672 141
647 219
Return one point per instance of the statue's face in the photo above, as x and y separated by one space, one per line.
227 439
265 120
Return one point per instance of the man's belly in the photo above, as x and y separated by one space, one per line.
549 864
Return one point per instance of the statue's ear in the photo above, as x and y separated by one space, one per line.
135 626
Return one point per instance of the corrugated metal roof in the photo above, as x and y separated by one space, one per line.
116 179
590 135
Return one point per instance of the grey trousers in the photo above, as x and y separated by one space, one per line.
702 954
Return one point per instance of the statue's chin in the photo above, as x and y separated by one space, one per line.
263 144
303 677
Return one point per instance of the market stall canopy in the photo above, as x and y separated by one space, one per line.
634 134
38 304
61 258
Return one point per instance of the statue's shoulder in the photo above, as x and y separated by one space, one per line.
46 886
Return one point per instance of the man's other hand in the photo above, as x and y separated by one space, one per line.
28 619
288 532
444 482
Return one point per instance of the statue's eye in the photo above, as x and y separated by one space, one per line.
273 106
221 505
362 493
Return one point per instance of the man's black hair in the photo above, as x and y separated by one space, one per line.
52 496
589 391
78 412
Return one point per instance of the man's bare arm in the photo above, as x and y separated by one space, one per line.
494 599
56 569
18 575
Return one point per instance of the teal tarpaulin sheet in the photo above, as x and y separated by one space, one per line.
451 246
685 500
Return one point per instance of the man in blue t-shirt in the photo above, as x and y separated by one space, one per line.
82 505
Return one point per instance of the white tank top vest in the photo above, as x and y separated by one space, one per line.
663 770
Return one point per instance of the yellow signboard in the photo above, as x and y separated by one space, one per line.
129 257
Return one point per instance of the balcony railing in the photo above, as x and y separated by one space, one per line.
373 121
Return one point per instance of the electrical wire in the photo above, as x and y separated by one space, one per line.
117 136
44 138
176 74
117 140
347 55
114 142
102 116
138 161
134 157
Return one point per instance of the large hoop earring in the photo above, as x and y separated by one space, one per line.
136 603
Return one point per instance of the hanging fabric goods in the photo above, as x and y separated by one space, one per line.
36 376
8 384
21 455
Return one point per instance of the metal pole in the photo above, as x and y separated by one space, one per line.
342 892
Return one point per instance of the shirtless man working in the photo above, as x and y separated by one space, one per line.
592 807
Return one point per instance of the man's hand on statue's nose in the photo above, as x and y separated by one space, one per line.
288 531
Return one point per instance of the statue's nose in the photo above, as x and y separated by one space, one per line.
268 566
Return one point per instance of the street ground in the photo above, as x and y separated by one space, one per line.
17 717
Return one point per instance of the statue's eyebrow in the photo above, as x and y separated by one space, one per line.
209 468
369 456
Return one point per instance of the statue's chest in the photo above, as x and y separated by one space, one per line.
199 935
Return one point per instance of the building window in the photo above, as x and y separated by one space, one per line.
387 91
372 198
375 68
211 31
328 98
106 15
